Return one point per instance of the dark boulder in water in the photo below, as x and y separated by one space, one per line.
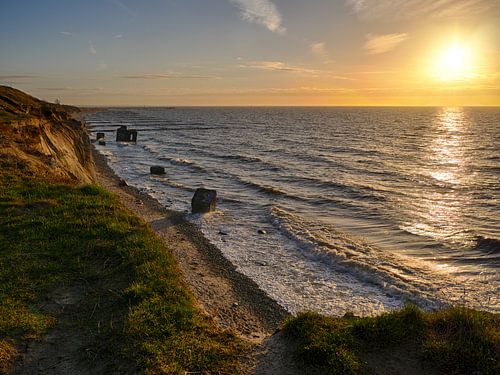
156 169
262 231
101 142
488 245
203 201
100 136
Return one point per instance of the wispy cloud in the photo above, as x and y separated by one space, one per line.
357 5
167 75
319 48
280 66
18 77
260 12
277 66
415 8
376 44
117 36
123 7
67 33
70 89
92 49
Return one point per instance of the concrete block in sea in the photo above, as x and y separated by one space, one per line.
204 200
125 135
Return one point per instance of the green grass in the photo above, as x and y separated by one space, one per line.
134 308
456 340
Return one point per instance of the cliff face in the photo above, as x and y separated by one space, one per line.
43 139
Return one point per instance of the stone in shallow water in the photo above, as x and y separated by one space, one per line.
156 169
203 201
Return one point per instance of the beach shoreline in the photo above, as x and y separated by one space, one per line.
232 299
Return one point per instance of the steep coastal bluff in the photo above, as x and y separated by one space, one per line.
42 139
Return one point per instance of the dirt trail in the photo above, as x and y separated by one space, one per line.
66 348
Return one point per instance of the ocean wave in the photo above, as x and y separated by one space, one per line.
397 275
271 190
256 161
458 242
353 191
177 185
184 162
151 149
245 158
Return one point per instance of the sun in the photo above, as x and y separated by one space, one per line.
454 63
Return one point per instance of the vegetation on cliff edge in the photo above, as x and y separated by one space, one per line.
456 340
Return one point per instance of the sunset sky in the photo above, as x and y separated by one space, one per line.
253 52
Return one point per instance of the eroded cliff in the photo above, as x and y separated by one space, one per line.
43 139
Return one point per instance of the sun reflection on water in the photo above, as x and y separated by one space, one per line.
446 156
441 204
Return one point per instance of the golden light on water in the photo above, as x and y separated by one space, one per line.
440 211
446 152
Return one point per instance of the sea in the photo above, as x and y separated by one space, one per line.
336 209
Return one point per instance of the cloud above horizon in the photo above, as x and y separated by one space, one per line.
73 89
318 48
413 8
260 12
19 76
123 7
279 66
92 49
167 75
376 44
